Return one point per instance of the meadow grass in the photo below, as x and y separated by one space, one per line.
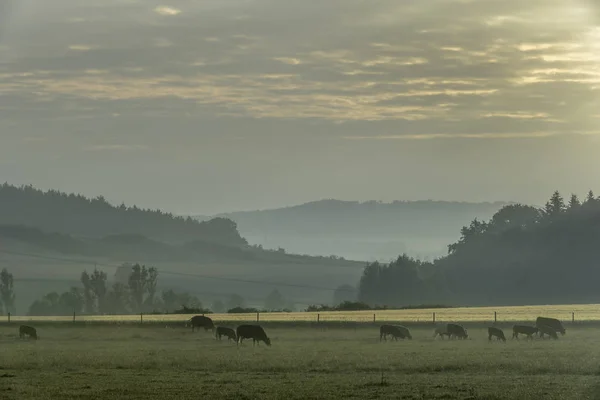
158 361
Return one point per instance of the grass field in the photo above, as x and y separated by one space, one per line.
154 361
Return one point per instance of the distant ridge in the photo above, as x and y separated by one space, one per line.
362 230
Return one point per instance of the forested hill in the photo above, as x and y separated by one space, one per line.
522 255
362 230
77 215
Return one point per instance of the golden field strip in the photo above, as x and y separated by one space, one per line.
581 312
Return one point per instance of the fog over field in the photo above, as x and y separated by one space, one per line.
362 230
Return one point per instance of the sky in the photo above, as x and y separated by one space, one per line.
208 106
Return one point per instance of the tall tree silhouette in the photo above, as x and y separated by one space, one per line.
138 283
555 206
7 291
89 299
97 283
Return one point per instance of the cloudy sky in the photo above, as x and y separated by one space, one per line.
203 106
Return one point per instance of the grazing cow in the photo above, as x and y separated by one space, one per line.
254 332
552 323
30 331
529 331
456 330
397 331
441 331
547 330
200 321
496 332
223 331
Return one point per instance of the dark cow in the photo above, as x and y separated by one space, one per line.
455 330
30 331
396 331
527 330
223 331
552 323
547 330
200 321
441 331
254 332
497 333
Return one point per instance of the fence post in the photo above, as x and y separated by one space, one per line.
73 315
9 317
495 317
318 317
373 317
572 317
257 316
434 317
141 318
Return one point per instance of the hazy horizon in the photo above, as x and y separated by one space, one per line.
200 108
251 210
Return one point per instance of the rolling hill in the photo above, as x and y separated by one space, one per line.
74 214
47 239
361 230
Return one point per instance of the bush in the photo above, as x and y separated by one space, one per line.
242 310
343 306
191 310
359 306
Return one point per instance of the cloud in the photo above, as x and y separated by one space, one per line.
117 147
78 47
481 135
436 68
288 60
167 11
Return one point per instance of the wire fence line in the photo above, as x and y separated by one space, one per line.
565 313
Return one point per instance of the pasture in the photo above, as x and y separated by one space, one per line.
98 360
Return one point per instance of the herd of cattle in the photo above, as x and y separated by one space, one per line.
254 332
543 326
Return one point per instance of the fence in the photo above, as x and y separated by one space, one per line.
569 313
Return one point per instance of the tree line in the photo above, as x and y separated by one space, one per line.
522 255
134 290
77 215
